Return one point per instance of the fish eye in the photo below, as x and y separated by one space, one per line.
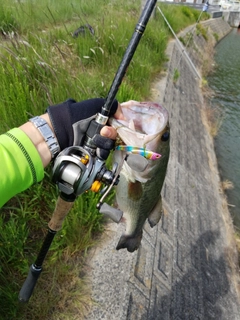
165 136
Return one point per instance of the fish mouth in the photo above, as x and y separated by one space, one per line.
143 126
147 118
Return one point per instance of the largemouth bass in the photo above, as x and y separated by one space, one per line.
138 193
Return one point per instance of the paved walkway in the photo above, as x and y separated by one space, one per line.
185 267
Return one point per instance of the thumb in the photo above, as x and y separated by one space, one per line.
109 132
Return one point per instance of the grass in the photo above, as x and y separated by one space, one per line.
200 30
176 75
214 117
42 64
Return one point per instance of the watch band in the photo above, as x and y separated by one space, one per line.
47 134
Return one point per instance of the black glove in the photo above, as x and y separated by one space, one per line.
71 119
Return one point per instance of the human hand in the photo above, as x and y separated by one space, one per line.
110 132
71 119
66 128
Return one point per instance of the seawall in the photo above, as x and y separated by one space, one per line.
232 17
186 267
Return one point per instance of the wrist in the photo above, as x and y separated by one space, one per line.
40 138
47 133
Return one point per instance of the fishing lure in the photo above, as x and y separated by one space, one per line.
150 155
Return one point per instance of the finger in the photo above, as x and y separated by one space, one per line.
119 114
109 132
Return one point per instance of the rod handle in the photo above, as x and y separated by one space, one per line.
61 210
29 284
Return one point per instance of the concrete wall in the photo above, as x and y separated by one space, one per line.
233 18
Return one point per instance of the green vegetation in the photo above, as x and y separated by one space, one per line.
176 75
200 30
41 63
187 41
216 36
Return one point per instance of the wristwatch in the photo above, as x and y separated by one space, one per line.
47 134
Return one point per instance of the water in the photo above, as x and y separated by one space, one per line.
226 83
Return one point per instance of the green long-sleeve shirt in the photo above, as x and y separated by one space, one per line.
20 164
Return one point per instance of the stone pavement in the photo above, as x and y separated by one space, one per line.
186 267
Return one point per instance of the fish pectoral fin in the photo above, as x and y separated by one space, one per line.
131 243
156 213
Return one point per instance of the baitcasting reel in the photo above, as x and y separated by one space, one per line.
76 171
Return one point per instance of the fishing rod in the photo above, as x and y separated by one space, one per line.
80 168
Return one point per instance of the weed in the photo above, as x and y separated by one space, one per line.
214 117
182 39
176 75
200 30
204 82
8 23
227 185
187 12
216 36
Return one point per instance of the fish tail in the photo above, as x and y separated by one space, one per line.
131 243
